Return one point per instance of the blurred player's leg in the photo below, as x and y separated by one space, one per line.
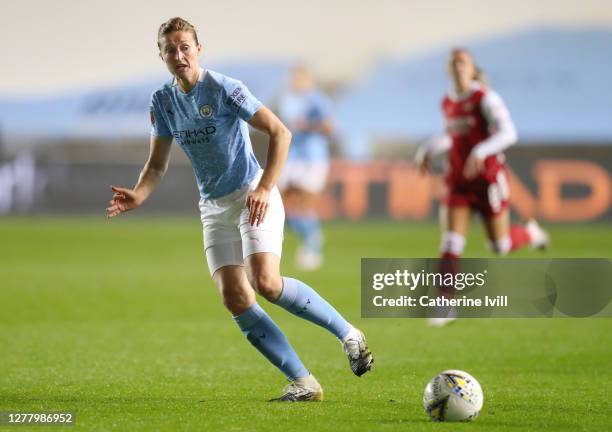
503 236
538 238
506 238
302 182
303 219
455 221
453 238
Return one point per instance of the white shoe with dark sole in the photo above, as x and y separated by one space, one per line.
305 389
356 348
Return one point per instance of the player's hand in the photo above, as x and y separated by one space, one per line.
123 200
424 165
423 162
257 203
473 166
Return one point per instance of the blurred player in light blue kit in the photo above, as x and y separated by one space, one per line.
307 112
207 114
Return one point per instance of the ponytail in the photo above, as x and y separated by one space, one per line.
480 76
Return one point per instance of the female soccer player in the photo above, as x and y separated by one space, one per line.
306 111
242 214
478 130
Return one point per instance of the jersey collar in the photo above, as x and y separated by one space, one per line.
200 77
474 86
202 74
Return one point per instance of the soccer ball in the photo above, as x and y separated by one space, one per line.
453 395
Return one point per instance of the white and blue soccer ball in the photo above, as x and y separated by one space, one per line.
453 395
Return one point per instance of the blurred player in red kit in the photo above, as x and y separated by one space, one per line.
478 129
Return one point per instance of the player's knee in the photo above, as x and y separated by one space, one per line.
237 300
267 284
453 243
233 305
236 294
501 246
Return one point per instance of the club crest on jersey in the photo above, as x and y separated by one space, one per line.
206 111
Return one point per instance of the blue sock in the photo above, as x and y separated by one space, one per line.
309 229
301 300
296 223
269 340
313 237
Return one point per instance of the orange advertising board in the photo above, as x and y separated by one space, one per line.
357 190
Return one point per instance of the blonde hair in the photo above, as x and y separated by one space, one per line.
173 25
479 75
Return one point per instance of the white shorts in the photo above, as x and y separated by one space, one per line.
308 176
228 236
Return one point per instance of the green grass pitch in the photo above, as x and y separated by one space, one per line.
119 322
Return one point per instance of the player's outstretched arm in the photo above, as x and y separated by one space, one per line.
280 138
125 199
431 147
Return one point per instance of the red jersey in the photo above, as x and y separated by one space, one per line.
473 119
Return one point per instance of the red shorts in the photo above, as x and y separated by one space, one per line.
487 196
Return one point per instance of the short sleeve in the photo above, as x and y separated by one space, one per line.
240 101
159 127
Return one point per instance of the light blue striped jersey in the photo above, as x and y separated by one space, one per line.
210 125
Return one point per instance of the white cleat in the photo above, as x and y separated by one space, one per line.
305 389
538 237
308 260
356 348
442 316
440 322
